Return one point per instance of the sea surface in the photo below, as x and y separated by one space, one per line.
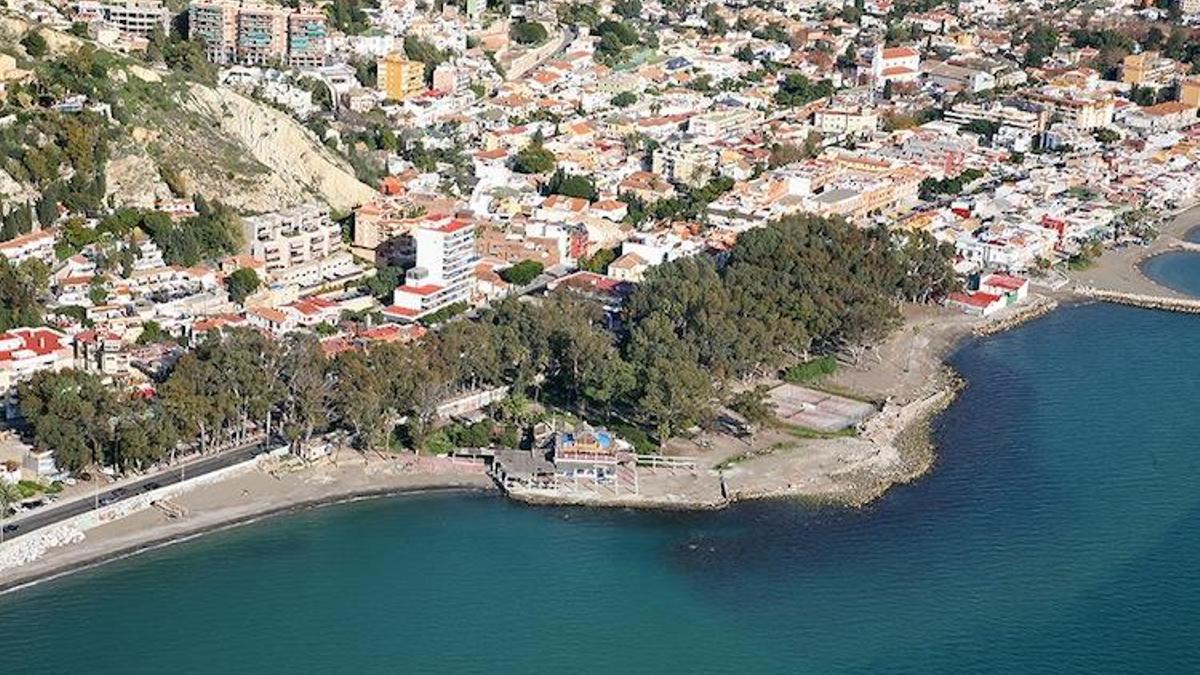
1059 532
1177 270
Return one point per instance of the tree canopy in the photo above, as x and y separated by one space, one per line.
528 33
533 158
523 273
796 89
800 287
242 284
572 185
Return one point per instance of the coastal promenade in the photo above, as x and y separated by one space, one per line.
243 493
38 519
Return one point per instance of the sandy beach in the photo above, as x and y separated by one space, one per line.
1121 269
246 498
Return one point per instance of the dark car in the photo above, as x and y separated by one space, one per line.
152 485
114 496
9 529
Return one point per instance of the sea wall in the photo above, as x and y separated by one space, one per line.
1184 305
29 547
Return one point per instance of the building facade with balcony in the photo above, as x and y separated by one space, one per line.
294 237
444 273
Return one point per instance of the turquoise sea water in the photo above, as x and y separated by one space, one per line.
1179 270
1059 532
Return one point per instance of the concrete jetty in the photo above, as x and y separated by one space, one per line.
1165 303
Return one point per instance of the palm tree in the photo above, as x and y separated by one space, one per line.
9 495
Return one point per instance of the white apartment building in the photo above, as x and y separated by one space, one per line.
130 17
444 273
953 76
25 351
736 122
895 64
846 121
1074 107
687 163
1001 114
294 237
37 245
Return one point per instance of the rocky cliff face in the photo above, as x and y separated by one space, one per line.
295 166
229 147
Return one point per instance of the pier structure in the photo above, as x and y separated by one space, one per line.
1182 245
587 465
1160 302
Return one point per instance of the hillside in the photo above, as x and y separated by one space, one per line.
205 140
225 145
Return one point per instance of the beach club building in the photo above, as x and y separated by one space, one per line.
587 452
1012 288
976 304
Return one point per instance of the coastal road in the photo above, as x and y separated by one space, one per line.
43 517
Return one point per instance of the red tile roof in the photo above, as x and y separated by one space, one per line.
974 299
40 341
900 53
1005 281
397 310
427 289
454 226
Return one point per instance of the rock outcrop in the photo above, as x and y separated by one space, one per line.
296 166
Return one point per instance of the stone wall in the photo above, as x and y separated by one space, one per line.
29 547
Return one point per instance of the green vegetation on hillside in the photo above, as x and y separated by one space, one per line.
418 49
349 16
212 234
21 293
242 283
